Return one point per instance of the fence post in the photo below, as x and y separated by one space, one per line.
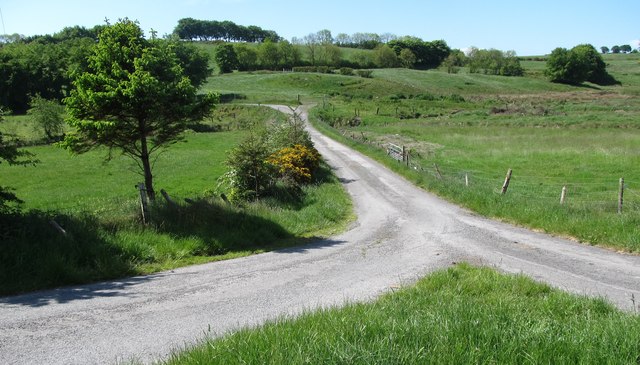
407 153
143 203
563 195
435 165
507 179
466 179
620 195
404 154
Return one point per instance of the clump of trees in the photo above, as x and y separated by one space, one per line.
46 65
275 161
427 54
42 65
135 98
213 30
267 55
494 62
577 65
625 48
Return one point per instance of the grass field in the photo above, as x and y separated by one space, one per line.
585 138
97 205
462 315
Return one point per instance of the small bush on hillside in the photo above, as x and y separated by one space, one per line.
295 165
367 74
346 71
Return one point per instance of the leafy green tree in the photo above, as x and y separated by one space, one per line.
289 54
247 57
604 49
226 58
625 48
385 57
581 63
269 55
454 61
330 55
615 49
194 62
48 115
407 58
136 98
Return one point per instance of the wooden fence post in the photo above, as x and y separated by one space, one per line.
435 165
166 197
563 195
143 203
507 179
466 179
620 195
404 154
407 156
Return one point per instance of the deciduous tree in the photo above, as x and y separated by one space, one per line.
48 115
226 58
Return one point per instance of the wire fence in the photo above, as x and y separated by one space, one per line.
610 193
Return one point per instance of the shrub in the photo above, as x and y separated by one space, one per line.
346 71
367 74
295 165
249 174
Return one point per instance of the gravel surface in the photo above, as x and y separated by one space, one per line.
401 234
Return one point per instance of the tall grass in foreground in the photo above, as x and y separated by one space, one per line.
462 315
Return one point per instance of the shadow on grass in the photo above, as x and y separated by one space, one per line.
222 227
35 255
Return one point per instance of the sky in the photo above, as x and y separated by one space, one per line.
529 27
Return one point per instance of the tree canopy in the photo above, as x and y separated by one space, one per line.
136 97
211 30
577 65
428 54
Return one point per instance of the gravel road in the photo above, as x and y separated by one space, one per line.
401 234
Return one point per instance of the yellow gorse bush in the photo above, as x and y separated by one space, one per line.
296 163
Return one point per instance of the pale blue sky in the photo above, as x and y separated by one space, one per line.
529 27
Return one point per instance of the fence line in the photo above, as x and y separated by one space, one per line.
566 191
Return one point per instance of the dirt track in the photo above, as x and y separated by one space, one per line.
401 233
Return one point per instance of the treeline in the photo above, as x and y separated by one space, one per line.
625 48
228 31
46 65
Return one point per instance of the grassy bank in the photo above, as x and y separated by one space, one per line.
461 315
97 205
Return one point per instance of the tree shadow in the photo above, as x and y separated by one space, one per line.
114 288
37 253
223 227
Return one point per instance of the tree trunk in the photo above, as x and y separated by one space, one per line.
146 165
